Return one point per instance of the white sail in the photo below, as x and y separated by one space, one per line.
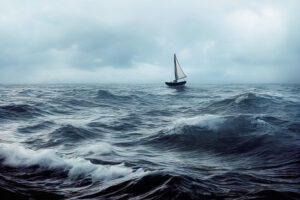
179 74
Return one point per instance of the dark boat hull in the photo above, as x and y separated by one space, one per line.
182 83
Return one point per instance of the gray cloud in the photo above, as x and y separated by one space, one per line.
104 41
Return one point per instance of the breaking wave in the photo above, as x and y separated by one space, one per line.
16 156
224 135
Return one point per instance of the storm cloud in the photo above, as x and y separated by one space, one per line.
133 41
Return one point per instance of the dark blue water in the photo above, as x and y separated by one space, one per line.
150 142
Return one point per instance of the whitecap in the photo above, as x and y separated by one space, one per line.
211 122
14 155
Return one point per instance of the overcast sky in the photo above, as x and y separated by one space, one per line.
133 41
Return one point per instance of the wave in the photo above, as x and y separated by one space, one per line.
163 185
244 103
105 95
81 103
17 111
120 125
159 113
70 134
37 127
26 192
222 134
16 156
66 134
152 186
28 174
98 148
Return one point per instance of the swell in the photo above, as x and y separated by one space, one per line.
72 133
245 103
243 134
41 135
108 97
19 111
153 186
165 185
120 125
45 125
68 135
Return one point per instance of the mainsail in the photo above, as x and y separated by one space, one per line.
179 74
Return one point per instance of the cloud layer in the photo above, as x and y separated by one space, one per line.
133 41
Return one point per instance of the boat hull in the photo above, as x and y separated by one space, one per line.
182 83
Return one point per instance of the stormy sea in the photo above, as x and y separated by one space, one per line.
75 141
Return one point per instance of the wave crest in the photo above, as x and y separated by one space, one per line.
243 103
18 157
223 134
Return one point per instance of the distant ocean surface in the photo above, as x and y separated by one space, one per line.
149 142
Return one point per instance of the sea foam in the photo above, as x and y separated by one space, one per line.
17 156
210 122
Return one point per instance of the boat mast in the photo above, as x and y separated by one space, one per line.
176 76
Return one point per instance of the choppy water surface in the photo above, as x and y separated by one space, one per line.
150 142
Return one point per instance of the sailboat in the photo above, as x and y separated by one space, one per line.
179 74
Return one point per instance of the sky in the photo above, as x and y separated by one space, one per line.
133 41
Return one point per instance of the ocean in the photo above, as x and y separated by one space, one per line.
101 141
